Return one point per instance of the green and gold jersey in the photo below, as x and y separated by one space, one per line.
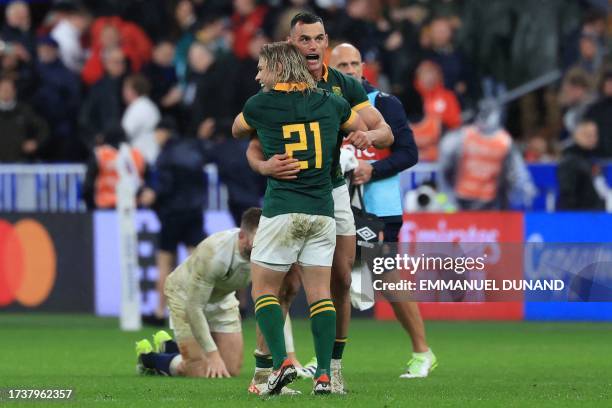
305 125
353 92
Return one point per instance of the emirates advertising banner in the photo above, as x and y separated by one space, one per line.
480 266
454 265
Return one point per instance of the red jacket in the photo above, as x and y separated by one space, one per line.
244 28
135 44
442 103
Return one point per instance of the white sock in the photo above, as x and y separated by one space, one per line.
423 353
174 364
288 335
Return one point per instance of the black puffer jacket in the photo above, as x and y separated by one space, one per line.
17 125
575 174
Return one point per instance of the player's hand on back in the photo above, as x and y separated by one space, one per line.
359 139
281 166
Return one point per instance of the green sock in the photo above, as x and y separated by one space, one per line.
263 360
323 326
269 317
339 348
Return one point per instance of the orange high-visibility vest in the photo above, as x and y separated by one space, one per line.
427 137
106 182
480 165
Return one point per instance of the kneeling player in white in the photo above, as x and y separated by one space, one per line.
203 308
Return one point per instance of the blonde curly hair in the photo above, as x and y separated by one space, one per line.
285 60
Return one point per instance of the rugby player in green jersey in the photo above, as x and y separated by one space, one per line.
308 35
293 117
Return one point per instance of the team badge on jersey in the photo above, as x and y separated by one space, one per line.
337 90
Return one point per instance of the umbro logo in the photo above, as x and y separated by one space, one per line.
366 233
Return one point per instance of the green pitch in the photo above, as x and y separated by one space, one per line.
480 364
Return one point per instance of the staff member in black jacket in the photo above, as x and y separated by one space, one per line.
176 192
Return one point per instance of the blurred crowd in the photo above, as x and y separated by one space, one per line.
73 70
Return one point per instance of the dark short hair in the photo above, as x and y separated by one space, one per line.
114 136
250 219
305 18
585 121
578 77
592 16
139 84
167 123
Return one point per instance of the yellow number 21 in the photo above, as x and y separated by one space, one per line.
300 128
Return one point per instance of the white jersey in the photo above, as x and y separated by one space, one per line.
208 278
215 264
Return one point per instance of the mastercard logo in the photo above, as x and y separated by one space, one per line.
27 263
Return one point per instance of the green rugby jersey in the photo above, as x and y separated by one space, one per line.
353 92
305 125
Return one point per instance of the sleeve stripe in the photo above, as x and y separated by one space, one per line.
243 121
350 120
361 105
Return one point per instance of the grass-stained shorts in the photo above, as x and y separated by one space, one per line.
284 239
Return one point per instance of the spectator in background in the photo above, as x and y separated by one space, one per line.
206 97
114 32
178 199
16 62
577 172
72 23
215 33
101 178
18 49
601 113
437 42
438 101
401 53
247 19
103 107
575 98
278 19
247 68
17 28
140 116
359 27
161 73
539 149
186 20
593 27
57 99
21 130
441 110
590 53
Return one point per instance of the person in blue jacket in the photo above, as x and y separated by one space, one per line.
378 172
